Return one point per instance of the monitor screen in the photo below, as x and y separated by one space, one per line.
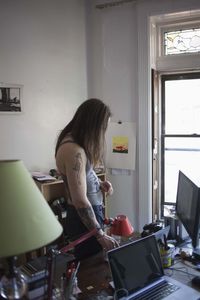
188 207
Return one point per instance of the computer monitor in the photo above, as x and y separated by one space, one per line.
188 209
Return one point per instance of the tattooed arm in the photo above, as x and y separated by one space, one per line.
71 160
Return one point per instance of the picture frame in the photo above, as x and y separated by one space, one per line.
10 98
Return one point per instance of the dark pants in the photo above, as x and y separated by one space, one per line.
75 229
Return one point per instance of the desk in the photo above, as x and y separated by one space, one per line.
94 276
183 272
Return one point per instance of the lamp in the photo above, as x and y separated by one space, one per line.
27 221
121 227
65 249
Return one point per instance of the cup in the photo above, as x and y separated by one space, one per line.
167 255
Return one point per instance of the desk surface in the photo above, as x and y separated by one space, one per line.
94 276
183 271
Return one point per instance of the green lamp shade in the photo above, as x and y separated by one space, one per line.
26 220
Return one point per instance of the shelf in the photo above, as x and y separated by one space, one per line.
51 190
55 189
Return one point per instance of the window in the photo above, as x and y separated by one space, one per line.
182 41
175 59
180 132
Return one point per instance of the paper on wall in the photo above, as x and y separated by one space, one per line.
121 145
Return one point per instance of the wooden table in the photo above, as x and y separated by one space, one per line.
94 277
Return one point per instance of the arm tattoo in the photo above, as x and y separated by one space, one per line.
88 217
77 166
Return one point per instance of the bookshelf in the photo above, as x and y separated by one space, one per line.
55 190
51 190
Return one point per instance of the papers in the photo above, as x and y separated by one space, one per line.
42 177
121 145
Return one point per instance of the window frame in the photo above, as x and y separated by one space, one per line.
175 62
163 135
162 28
166 65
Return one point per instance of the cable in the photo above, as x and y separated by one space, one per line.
191 265
120 290
179 270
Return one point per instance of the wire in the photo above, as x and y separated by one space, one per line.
185 271
189 264
115 297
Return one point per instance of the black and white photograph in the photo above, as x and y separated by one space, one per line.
10 98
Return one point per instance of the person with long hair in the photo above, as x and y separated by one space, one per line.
79 149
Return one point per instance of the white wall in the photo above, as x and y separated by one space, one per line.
42 47
112 77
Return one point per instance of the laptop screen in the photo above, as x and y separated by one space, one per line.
135 265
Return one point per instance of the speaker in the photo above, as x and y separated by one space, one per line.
177 230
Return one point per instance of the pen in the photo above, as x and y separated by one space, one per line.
165 242
63 286
71 273
70 270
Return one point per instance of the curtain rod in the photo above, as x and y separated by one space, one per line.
114 3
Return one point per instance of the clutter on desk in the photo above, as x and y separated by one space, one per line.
167 250
167 255
35 274
102 295
187 256
54 173
69 283
42 177
35 269
151 228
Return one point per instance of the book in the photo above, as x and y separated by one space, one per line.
37 283
39 176
35 269
35 274
38 292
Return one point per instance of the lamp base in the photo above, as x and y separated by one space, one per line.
13 286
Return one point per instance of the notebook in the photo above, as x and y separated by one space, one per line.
137 273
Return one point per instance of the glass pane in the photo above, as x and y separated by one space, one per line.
182 41
180 154
182 106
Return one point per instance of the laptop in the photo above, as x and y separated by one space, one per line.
137 273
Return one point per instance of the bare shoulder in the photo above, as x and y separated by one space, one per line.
68 150
68 154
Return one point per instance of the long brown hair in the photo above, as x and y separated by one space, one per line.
87 128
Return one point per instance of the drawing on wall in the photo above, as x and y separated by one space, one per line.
10 98
120 144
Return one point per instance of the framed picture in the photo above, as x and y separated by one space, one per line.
10 98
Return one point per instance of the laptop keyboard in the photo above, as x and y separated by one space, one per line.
157 293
